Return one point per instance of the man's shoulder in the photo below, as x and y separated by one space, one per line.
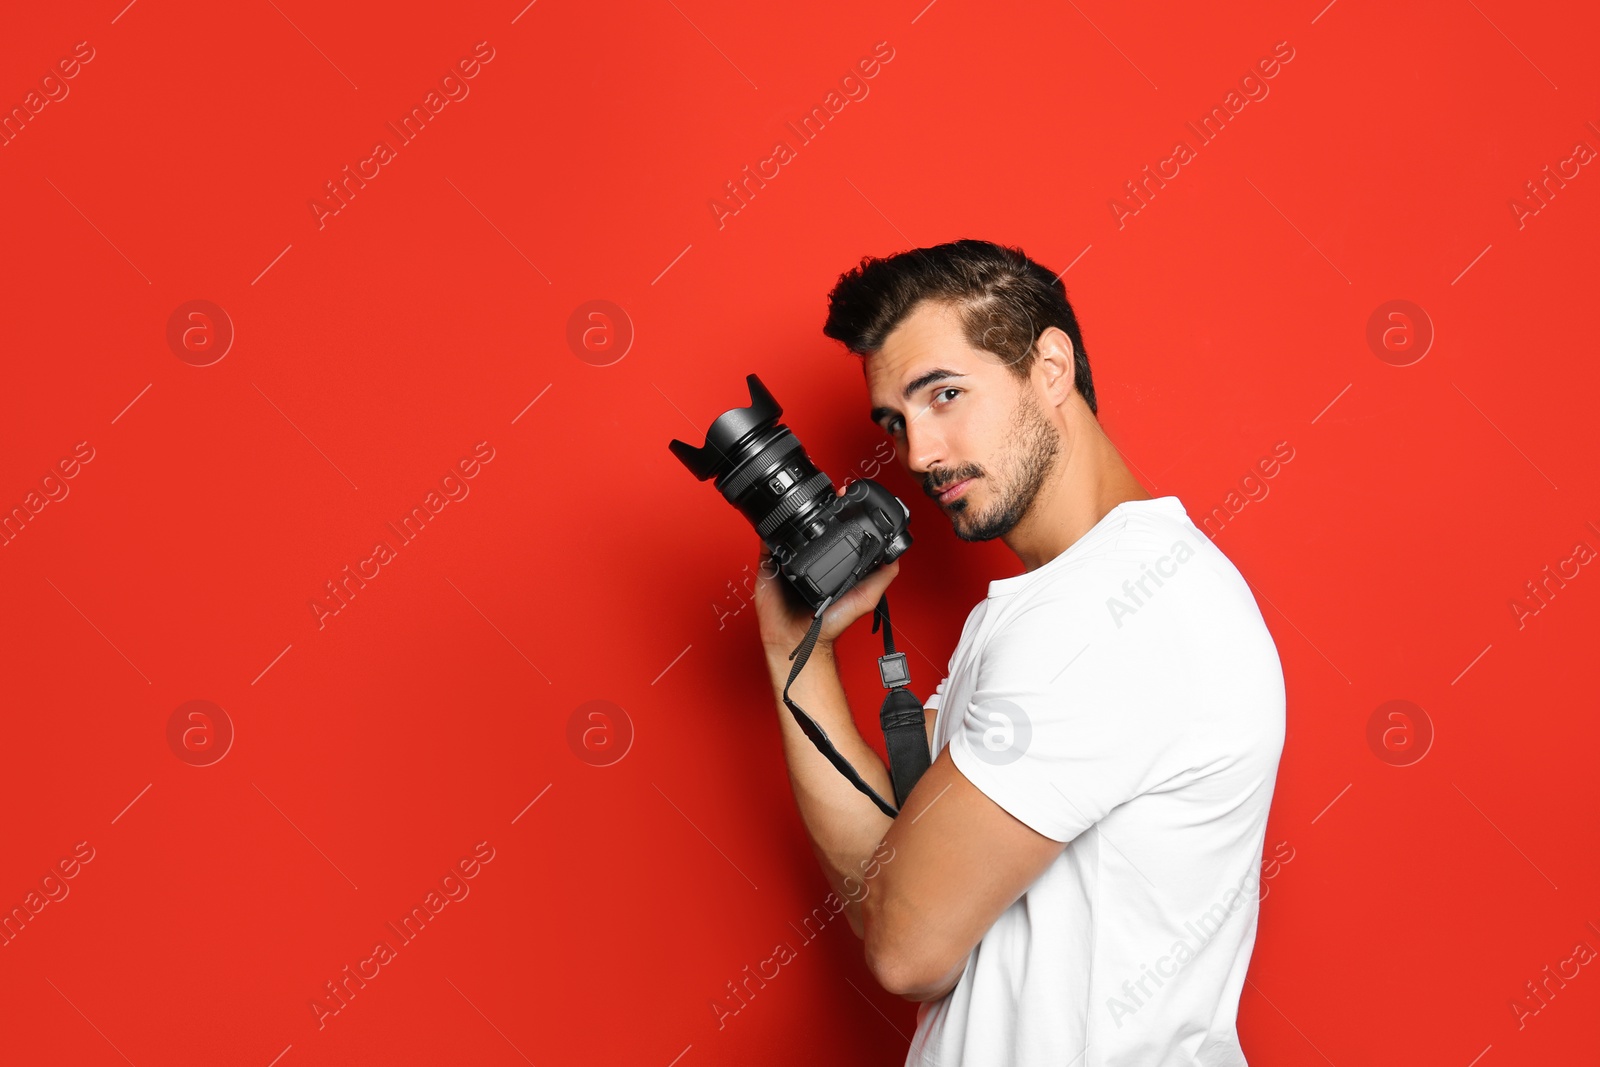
1170 544
1153 563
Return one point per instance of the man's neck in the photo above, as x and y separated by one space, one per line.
1090 479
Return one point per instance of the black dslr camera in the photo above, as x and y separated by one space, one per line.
823 542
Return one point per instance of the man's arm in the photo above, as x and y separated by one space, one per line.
844 824
921 890
958 861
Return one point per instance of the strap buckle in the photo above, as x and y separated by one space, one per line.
893 669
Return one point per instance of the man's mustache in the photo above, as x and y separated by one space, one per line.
934 489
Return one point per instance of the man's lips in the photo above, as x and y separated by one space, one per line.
953 491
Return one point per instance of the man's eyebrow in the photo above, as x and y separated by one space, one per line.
921 381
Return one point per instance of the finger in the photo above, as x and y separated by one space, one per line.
869 590
766 566
874 586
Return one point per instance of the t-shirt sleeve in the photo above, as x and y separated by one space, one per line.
1050 733
932 703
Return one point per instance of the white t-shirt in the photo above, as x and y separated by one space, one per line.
1127 698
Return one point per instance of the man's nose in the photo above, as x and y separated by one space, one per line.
924 447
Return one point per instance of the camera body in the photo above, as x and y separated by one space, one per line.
823 541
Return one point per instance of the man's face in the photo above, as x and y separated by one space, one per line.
975 427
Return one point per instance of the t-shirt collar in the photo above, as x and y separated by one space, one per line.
1017 582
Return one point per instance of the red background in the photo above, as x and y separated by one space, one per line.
374 352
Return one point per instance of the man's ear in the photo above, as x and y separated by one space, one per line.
1057 362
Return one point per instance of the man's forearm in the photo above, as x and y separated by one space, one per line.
845 825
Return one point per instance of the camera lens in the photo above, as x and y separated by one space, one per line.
761 468
777 487
822 540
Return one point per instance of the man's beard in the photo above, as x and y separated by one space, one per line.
1025 467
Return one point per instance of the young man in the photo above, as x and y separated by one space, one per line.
1074 881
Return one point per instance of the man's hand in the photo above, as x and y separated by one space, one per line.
784 618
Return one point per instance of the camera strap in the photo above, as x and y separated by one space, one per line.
904 726
905 732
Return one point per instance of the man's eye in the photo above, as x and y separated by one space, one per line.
894 426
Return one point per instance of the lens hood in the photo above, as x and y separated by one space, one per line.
730 428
